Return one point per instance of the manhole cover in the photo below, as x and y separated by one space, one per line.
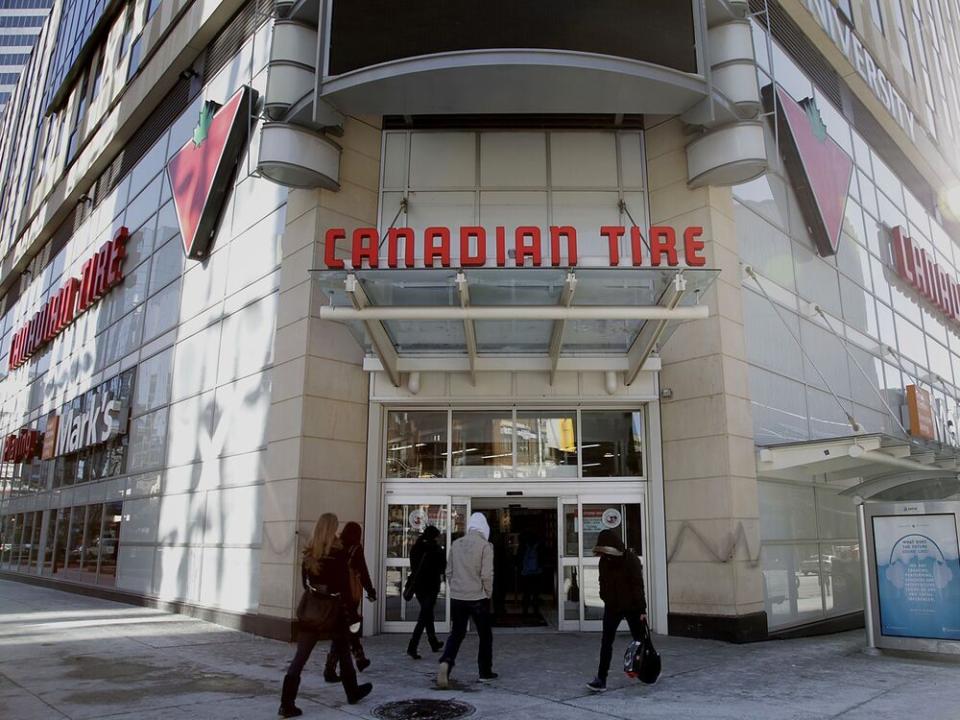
424 709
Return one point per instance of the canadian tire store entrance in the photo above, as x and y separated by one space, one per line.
548 480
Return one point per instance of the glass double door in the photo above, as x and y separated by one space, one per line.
573 569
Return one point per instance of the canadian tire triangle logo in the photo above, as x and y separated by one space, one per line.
819 169
201 171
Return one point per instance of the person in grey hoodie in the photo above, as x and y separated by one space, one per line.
470 582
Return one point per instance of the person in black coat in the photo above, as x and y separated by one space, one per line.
428 562
351 538
621 589
325 570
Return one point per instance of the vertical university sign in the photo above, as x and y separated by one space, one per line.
819 169
201 171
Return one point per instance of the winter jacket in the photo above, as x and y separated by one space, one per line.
621 575
427 563
359 574
470 571
331 575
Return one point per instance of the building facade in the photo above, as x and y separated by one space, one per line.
687 274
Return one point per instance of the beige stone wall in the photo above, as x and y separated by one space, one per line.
710 486
318 419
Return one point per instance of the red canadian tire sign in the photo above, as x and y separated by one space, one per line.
201 171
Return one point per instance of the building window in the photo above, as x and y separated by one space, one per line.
98 73
125 38
845 10
151 7
136 50
877 14
905 55
78 117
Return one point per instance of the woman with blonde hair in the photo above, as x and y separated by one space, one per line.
326 582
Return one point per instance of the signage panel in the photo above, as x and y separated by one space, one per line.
98 275
200 172
22 447
843 36
103 417
918 575
921 413
919 270
819 169
526 245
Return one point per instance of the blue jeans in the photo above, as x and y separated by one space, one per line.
461 611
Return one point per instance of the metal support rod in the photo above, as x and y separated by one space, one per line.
469 333
556 337
850 419
514 312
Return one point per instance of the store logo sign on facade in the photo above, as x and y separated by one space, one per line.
98 275
843 36
201 171
920 410
918 269
22 447
527 244
79 429
819 169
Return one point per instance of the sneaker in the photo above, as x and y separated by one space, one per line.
489 677
360 693
443 676
597 685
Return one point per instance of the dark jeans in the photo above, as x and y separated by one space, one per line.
462 611
339 647
611 621
424 620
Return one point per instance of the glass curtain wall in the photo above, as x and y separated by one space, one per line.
895 337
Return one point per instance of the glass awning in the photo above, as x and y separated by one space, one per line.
476 319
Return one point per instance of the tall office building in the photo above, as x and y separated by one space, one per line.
20 23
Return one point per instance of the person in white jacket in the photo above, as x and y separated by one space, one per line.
470 582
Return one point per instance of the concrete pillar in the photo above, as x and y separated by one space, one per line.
316 454
710 485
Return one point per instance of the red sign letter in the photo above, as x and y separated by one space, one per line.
663 239
479 258
431 250
692 248
330 258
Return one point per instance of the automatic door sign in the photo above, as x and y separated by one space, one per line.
918 576
418 520
611 518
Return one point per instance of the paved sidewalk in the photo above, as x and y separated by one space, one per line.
68 656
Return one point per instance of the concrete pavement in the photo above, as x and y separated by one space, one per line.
69 656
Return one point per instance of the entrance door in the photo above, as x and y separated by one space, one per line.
406 518
583 518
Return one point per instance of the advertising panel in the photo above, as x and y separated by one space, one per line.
918 576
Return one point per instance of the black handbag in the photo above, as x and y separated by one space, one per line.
642 661
318 611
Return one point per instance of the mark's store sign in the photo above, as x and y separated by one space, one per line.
527 244
918 269
98 276
104 417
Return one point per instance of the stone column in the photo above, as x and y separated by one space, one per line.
710 485
316 453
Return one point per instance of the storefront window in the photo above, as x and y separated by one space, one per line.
60 550
612 443
482 444
109 543
51 544
75 541
625 519
546 444
91 544
416 444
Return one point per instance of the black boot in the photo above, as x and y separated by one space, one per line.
412 650
359 694
330 669
435 644
287 697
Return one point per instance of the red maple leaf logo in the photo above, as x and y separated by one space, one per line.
201 170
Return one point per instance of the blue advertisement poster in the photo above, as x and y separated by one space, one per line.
918 576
